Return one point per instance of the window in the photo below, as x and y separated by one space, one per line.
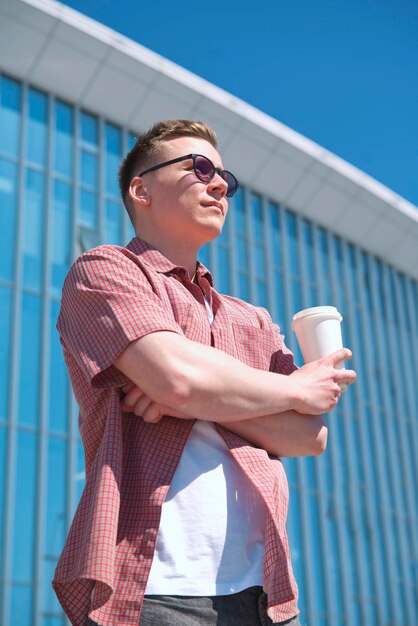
3 475
89 130
5 336
29 361
10 107
260 260
24 521
21 605
37 127
8 209
34 227
240 217
89 166
88 209
89 170
56 500
113 222
58 379
61 233
113 149
63 139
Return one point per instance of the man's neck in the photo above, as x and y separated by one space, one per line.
177 252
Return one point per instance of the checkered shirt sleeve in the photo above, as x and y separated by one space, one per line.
282 359
107 303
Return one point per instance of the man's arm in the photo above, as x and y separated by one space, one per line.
208 384
286 434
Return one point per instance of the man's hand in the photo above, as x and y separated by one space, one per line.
136 401
316 385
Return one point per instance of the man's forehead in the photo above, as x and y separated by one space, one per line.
185 145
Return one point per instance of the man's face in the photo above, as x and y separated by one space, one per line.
181 204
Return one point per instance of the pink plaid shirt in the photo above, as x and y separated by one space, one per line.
112 296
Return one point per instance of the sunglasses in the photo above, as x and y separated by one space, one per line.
204 170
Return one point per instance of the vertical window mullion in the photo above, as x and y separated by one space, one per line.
127 228
232 238
44 375
71 403
269 261
126 222
275 238
241 243
101 192
10 491
250 245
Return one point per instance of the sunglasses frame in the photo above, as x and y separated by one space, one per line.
193 156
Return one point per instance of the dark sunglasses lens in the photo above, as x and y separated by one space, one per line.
204 169
232 183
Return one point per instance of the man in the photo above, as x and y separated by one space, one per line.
187 398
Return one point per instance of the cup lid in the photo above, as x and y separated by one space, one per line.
318 310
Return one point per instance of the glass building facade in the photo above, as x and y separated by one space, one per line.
353 520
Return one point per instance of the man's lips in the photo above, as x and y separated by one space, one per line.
219 205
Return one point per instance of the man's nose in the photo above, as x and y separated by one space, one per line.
218 182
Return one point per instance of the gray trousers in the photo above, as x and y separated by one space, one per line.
246 608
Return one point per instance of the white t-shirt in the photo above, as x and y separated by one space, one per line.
211 535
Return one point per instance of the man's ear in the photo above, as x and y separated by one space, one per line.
138 192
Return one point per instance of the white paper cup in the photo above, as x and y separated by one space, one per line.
318 331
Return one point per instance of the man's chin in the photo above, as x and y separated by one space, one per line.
211 232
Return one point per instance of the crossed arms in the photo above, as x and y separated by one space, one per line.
283 414
114 320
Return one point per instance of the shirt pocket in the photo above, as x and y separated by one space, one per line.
254 346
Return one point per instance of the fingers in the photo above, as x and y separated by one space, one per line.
137 402
133 396
345 377
342 354
142 405
153 413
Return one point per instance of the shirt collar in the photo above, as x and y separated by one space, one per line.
155 259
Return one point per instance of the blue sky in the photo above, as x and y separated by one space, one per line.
342 72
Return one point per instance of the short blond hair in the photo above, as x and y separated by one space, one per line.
148 146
